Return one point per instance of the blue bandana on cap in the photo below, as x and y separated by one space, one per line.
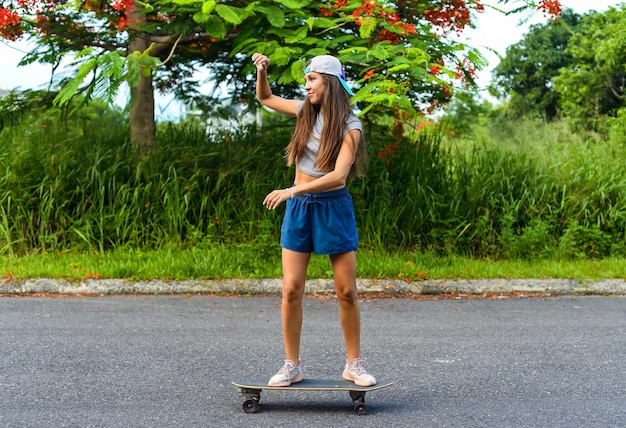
328 64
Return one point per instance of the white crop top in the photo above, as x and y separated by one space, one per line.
306 163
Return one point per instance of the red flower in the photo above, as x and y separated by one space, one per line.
550 7
366 7
451 14
325 12
122 23
369 74
121 5
9 18
9 24
434 69
410 28
389 36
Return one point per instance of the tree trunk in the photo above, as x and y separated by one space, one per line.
142 122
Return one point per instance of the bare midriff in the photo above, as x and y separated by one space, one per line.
304 178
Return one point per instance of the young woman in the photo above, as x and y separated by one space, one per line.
326 148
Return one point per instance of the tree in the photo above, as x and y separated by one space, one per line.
465 112
593 83
527 71
115 42
399 51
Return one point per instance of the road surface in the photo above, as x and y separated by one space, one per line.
167 361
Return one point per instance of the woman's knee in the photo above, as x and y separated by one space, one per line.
346 292
293 292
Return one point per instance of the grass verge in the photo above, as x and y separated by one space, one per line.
246 261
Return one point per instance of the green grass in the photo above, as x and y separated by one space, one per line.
244 261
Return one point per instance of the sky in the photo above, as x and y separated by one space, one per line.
493 31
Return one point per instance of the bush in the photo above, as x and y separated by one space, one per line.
75 183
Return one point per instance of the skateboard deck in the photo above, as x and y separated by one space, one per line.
251 391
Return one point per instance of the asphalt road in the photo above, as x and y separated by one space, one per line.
167 361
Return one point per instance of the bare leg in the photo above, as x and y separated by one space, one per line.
294 275
344 269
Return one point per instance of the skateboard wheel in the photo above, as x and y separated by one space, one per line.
251 406
360 409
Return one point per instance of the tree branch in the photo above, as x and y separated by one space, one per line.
612 87
76 38
172 50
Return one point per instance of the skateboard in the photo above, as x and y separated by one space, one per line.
251 391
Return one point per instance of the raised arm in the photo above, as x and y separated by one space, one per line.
264 92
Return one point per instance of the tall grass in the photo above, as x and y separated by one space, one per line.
544 192
531 190
68 186
77 184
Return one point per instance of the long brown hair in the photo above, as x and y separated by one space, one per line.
335 107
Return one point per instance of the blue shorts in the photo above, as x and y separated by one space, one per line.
322 222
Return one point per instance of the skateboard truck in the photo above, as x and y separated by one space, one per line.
358 401
251 399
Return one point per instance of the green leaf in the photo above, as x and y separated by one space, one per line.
477 58
215 27
297 70
315 52
186 2
232 15
87 66
399 67
241 46
283 55
293 4
380 99
348 39
266 48
310 41
201 17
297 36
368 25
275 16
85 52
322 22
352 50
208 6
380 51
69 90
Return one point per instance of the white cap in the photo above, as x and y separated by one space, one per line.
328 64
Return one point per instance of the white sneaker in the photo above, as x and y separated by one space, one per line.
355 372
289 373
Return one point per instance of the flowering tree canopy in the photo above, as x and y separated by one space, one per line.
399 53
